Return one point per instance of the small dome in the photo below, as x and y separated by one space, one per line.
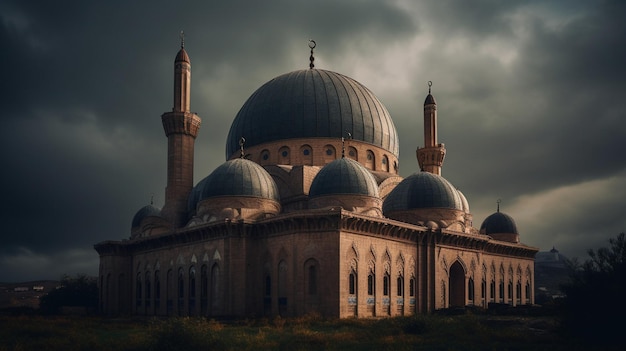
344 176
498 223
182 56
146 211
423 190
236 177
312 103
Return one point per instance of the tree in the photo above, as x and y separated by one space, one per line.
80 291
595 296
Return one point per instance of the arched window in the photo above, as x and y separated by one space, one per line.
352 283
501 291
204 289
518 292
483 291
282 288
192 290
284 156
157 290
400 286
371 285
306 152
312 280
385 163
138 290
370 160
470 290
181 291
329 153
353 153
170 288
527 292
386 285
510 291
215 289
492 291
265 156
148 291
412 287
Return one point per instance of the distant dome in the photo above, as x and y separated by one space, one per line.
312 103
423 190
146 211
344 176
498 223
236 177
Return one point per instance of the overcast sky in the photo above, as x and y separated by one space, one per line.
531 103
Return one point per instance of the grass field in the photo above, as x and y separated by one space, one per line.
433 332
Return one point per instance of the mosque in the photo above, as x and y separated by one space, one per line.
309 215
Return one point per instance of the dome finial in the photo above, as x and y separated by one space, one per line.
498 202
430 84
312 45
182 39
241 142
152 199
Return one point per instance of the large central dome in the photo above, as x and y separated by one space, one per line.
312 103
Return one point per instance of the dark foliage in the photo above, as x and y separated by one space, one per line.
79 291
595 297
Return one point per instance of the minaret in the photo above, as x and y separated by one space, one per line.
430 157
181 128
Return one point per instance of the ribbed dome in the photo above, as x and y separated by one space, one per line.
498 223
344 176
423 190
312 103
236 177
146 211
182 56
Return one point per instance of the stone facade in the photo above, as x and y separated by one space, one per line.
270 248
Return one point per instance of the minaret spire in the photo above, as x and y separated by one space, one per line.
181 128
430 157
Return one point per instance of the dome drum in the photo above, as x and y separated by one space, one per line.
443 218
234 208
320 151
362 204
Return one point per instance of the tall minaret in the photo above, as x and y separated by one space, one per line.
181 128
430 157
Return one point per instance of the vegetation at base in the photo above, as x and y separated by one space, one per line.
595 297
468 331
79 292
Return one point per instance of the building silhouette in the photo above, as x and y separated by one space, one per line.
309 215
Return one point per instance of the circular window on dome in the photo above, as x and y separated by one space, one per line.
265 155
306 152
329 152
369 156
385 160
285 153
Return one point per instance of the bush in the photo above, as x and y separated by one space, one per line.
595 296
80 291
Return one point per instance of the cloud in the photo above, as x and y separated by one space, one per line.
529 100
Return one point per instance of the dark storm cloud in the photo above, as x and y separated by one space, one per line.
530 105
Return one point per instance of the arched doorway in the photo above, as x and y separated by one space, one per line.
457 285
